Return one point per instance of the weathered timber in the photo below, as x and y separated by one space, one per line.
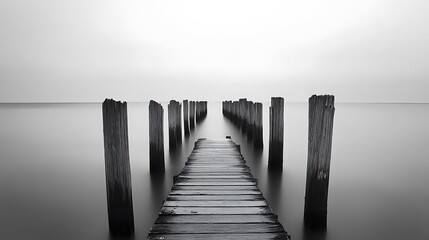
275 152
192 115
117 168
156 137
174 124
200 111
258 141
247 116
216 197
186 117
320 128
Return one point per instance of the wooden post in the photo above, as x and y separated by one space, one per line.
320 128
117 168
192 115
275 153
250 120
258 141
185 117
198 111
174 124
156 137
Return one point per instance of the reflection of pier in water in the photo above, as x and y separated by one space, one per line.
216 197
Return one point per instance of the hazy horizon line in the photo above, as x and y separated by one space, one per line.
94 102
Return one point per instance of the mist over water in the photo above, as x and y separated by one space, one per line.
52 182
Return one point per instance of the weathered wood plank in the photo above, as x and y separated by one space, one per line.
215 210
217 188
213 183
216 218
197 228
218 197
252 236
215 192
258 203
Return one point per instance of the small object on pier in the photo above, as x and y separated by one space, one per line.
186 117
320 128
275 153
174 124
117 168
156 137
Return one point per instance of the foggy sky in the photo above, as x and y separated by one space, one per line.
137 50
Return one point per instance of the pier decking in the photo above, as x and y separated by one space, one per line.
216 197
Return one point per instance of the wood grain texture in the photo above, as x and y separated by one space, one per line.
275 152
216 197
117 168
156 137
174 124
321 119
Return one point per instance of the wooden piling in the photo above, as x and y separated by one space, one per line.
275 153
186 117
174 124
250 120
192 115
320 128
258 141
117 168
156 137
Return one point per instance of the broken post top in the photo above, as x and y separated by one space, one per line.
112 101
327 100
277 99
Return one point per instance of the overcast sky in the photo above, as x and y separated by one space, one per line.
137 50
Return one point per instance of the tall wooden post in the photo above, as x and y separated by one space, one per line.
258 141
174 124
275 153
156 137
250 120
185 117
117 168
320 128
192 115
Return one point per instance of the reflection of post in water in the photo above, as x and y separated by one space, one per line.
274 188
157 184
117 168
320 127
313 234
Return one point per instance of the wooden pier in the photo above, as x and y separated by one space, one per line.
216 197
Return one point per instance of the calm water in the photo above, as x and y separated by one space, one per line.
52 183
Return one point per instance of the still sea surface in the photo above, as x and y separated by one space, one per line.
52 181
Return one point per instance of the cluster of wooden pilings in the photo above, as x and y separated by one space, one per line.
193 112
116 152
321 115
200 111
247 116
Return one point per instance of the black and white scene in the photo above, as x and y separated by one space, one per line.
214 120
